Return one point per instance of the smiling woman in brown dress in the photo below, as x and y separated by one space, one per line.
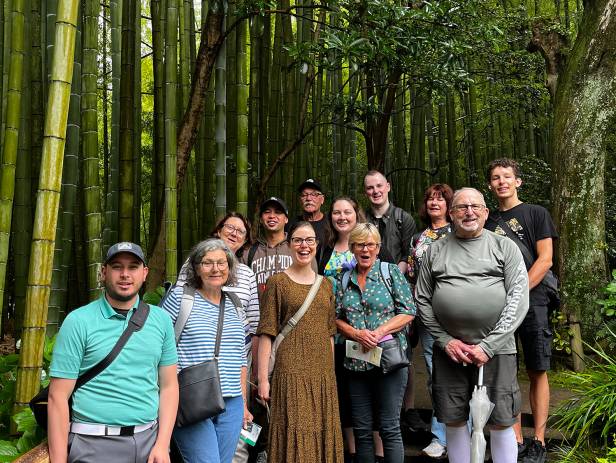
304 424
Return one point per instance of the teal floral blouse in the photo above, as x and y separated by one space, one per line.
374 306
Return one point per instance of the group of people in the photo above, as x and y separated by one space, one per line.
338 297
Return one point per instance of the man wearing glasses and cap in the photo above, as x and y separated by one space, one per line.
311 198
125 413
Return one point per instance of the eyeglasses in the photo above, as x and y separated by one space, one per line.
316 194
231 229
368 246
310 241
209 265
463 207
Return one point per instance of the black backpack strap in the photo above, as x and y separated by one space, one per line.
251 254
528 257
234 298
136 322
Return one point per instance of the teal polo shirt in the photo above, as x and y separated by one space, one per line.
126 393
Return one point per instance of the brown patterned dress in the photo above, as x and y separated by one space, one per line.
304 425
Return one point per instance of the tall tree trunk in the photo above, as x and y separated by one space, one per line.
47 203
22 222
171 206
158 154
585 108
221 134
90 166
241 94
11 137
127 123
112 205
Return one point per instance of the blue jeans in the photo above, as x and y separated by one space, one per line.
427 342
372 390
212 440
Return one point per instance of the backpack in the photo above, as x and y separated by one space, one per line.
251 254
169 287
385 275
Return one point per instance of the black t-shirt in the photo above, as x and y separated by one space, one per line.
531 223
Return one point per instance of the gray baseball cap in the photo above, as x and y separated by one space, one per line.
125 246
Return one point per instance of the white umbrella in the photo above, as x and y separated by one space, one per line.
481 409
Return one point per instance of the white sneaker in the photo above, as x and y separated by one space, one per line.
435 449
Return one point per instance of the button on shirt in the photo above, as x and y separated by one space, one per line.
370 308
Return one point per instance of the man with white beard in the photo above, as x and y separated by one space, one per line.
472 294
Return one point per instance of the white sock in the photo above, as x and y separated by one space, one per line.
458 444
503 445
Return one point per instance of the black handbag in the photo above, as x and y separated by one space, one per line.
393 356
200 391
38 404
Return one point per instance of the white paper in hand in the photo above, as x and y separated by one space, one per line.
355 350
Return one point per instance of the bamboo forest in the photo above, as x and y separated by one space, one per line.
148 120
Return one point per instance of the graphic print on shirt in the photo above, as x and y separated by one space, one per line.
514 225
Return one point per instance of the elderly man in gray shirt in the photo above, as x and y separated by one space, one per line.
472 294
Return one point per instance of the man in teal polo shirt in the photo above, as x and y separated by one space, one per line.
127 412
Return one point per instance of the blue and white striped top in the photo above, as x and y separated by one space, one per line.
198 339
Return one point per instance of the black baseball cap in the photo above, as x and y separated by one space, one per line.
310 183
278 202
125 246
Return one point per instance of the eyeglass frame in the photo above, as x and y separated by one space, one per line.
297 241
230 228
464 207
220 265
315 195
368 246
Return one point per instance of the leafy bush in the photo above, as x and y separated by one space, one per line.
608 311
589 417
30 434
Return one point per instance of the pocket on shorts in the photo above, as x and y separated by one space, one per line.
547 341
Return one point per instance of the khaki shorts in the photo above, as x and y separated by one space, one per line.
453 383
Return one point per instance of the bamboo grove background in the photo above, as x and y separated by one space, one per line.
98 99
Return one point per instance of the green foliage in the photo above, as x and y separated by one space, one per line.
562 332
30 434
610 456
608 311
154 297
589 418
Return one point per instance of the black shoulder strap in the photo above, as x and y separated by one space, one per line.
136 322
251 254
398 217
235 299
528 257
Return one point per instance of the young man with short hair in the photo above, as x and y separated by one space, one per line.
270 254
535 230
126 413
396 226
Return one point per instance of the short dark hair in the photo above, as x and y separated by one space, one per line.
505 163
443 190
359 213
221 223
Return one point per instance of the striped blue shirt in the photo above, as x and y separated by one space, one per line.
198 339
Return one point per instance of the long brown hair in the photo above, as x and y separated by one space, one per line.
441 189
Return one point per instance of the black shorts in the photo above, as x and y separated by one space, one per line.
535 336
453 384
